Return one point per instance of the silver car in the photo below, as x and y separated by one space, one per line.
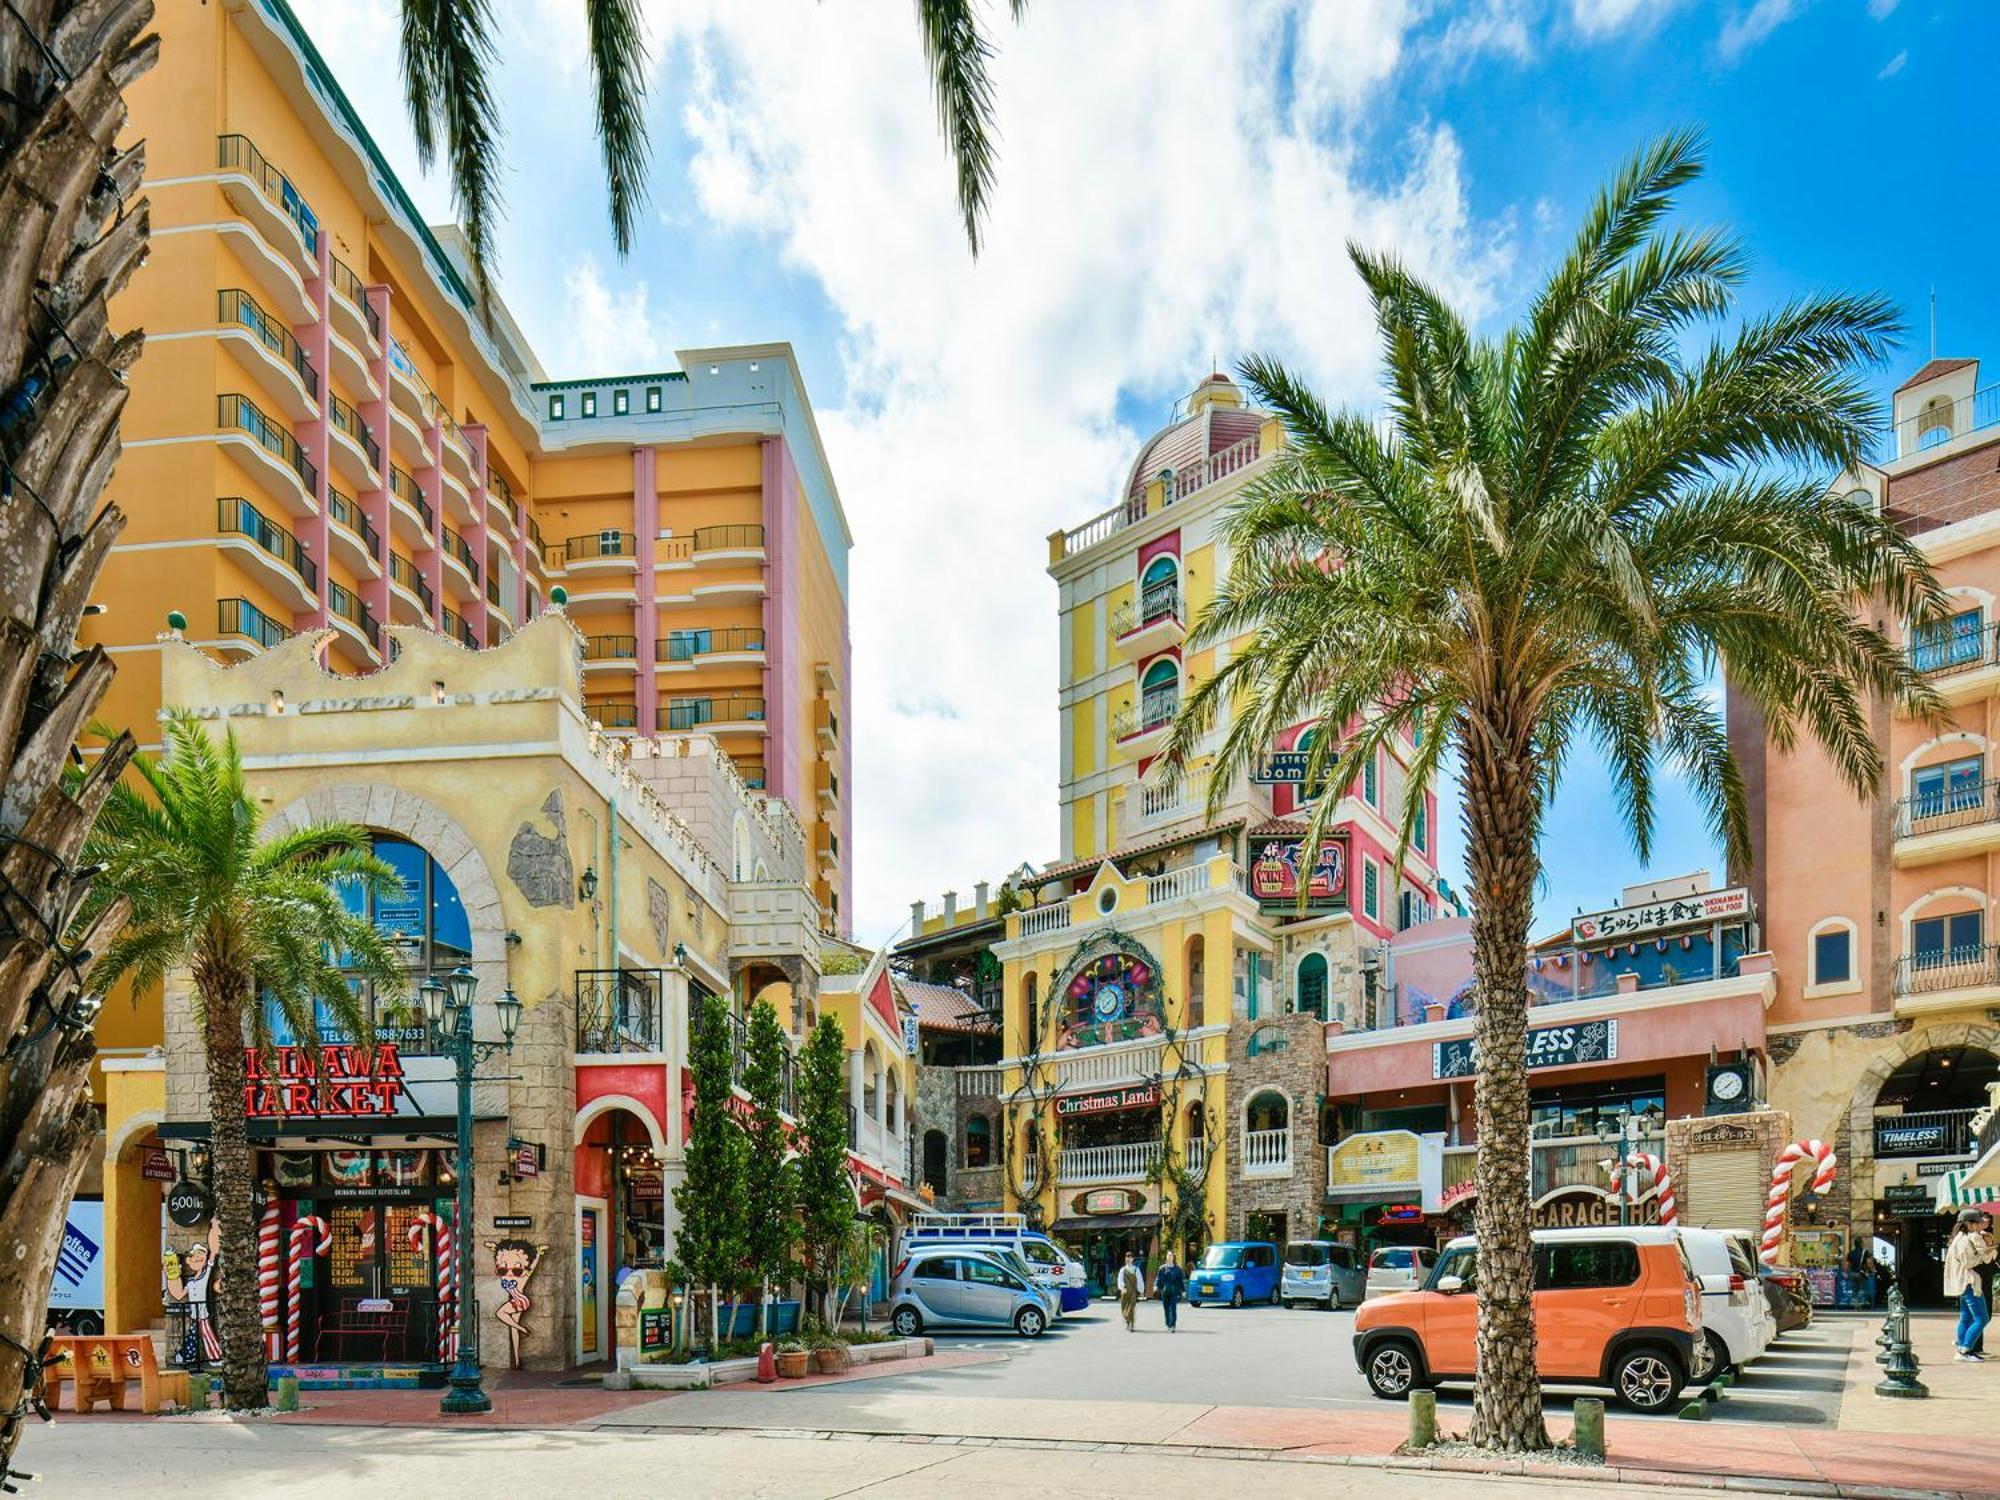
1321 1271
1399 1268
964 1287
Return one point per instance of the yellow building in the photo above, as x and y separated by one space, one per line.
1166 999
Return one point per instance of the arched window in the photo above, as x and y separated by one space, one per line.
1030 1021
978 1141
1159 590
1934 423
1197 979
1269 1110
1831 958
1159 692
871 1080
1311 992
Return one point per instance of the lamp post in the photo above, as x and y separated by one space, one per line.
448 1011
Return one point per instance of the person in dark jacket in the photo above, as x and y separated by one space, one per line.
1170 1286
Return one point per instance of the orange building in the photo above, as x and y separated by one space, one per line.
328 429
1880 914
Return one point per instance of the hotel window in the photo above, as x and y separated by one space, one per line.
1420 836
1954 642
1371 787
1954 786
1832 956
1938 941
652 398
621 403
1371 890
587 403
555 408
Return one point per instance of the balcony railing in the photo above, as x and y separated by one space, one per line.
354 290
1969 967
458 630
728 538
1965 806
610 648
593 544
235 516
1935 1132
1940 424
684 714
619 1010
461 549
404 488
1161 601
236 153
347 604
1195 1157
241 414
1946 652
1128 1161
751 774
410 577
346 419
1153 710
739 1062
236 308
241 617
614 715
343 510
686 645
1267 1153
1196 476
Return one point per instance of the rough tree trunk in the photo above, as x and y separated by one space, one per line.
233 1291
70 237
1501 821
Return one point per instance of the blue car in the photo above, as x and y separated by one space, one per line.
1237 1272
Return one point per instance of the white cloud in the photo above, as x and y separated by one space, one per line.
1880 9
1894 65
1599 19
1746 29
607 331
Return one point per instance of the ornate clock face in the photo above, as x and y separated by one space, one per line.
1109 1003
1726 1085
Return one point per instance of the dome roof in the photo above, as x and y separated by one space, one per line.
1217 418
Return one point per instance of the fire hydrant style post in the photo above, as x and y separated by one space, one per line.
1897 1359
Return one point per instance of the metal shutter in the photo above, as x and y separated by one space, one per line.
1725 1190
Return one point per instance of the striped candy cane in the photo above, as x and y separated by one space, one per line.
447 1292
1822 1157
1645 1161
269 1234
303 1251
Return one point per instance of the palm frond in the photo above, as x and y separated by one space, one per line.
957 54
618 67
447 48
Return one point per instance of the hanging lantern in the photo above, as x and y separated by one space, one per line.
1660 945
1687 941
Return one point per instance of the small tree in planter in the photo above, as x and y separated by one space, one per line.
858 1248
770 1193
826 1194
710 1201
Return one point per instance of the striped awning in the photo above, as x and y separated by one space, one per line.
1962 1188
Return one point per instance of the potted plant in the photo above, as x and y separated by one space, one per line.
829 1353
793 1357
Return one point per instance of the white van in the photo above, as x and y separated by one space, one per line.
1056 1270
1734 1319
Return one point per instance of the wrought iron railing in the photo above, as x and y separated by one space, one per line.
404 488
686 645
236 308
684 714
346 513
728 538
237 411
405 572
596 544
237 153
614 715
1932 1132
610 648
461 549
347 604
346 419
1963 806
241 617
354 290
619 1010
236 516
1972 966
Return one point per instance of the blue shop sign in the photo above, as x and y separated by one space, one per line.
1548 1047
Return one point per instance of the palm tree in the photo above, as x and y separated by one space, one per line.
1557 536
71 234
447 47
261 928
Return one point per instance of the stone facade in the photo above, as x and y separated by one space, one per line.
1285 1053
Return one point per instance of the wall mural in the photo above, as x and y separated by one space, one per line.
188 1274
539 863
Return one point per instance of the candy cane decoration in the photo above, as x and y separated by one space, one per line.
303 1251
268 1279
1645 1161
447 1289
1775 1205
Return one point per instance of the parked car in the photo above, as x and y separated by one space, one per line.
1235 1272
1321 1271
1398 1268
1616 1307
1734 1321
963 1286
1054 1266
1786 1295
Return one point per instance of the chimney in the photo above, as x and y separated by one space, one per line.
950 907
916 919
979 900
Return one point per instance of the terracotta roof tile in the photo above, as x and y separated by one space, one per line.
1935 368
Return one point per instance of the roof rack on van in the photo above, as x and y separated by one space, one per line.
989 1223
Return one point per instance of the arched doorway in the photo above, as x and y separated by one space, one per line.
935 1151
1923 1115
621 1214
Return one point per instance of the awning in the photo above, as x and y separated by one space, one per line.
1960 1189
1108 1221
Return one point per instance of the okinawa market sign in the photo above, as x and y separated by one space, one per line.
1139 1096
1278 866
1548 1047
342 1080
1662 916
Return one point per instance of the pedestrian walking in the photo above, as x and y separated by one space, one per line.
1170 1286
1131 1287
1971 1247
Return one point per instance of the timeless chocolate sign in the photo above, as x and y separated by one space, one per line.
1548 1047
1139 1096
346 1081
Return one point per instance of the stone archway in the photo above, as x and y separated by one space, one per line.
1856 1144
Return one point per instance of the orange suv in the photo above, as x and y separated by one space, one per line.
1613 1307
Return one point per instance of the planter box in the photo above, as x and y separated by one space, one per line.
739 1320
696 1376
872 1354
793 1366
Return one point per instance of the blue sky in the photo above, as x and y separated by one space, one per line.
1177 179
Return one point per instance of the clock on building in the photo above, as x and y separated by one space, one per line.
1729 1088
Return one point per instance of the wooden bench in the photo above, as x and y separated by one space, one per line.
379 1326
99 1367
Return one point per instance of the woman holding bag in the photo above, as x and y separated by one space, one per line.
1971 1248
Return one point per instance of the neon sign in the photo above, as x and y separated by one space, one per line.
341 1080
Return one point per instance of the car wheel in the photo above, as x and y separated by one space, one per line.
907 1322
1029 1322
1333 1299
1273 1298
1647 1378
1391 1369
1717 1362
1290 1305
1236 1297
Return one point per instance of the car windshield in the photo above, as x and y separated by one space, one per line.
1463 1263
1222 1258
1305 1255
1040 1253
1395 1260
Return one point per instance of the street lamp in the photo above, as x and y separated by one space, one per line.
448 1009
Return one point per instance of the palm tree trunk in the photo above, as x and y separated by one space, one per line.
1501 806
70 237
233 1293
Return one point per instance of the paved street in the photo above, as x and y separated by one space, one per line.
1267 1356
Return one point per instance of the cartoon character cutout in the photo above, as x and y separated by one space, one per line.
514 1262
188 1276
